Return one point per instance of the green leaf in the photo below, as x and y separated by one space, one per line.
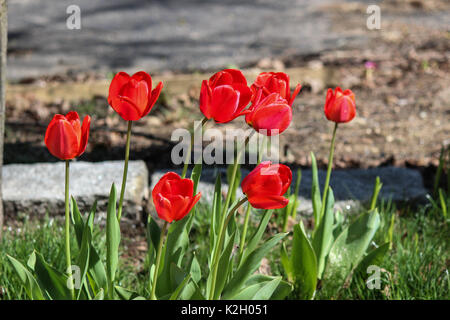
374 257
100 295
349 248
250 265
125 294
96 273
112 237
195 175
77 221
215 216
304 264
83 257
174 250
286 263
54 282
256 238
153 236
323 236
195 269
262 290
179 280
315 191
224 265
30 284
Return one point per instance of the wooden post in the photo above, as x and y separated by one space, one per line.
3 44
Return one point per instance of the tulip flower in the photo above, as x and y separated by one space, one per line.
133 97
270 82
266 185
66 138
340 105
224 96
270 115
173 197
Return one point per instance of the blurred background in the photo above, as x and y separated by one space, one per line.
398 70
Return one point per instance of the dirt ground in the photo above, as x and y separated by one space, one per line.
403 105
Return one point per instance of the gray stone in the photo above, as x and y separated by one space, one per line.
37 189
351 187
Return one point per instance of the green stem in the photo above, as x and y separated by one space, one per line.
244 231
191 146
158 260
67 232
330 165
125 170
233 175
219 247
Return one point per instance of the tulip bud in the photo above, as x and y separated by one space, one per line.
340 106
133 97
173 197
65 137
271 115
224 96
274 82
265 185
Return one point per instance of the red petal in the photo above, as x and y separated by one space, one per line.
224 102
153 97
268 202
163 207
84 135
61 139
272 119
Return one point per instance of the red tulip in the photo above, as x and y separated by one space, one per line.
224 96
65 137
133 97
340 106
173 197
270 115
266 185
270 82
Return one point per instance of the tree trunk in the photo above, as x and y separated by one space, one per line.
3 43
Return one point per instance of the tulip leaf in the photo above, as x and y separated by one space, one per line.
224 266
29 282
195 175
112 238
125 294
100 295
96 273
176 245
256 238
304 264
315 191
323 235
51 280
153 236
215 216
349 247
286 263
83 256
77 221
374 257
250 265
262 290
195 269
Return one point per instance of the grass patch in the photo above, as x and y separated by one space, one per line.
415 268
